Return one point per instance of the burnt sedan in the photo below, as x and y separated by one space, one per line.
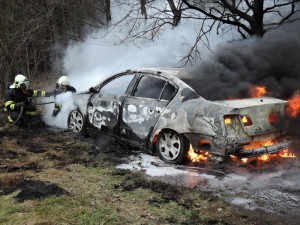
157 111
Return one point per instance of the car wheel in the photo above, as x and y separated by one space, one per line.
76 122
172 147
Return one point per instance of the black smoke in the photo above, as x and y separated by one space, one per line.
272 61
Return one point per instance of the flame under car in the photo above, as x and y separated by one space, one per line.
155 110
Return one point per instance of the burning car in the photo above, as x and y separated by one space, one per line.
155 110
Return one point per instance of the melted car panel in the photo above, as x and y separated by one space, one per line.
148 101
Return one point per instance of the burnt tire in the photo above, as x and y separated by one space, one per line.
76 122
172 147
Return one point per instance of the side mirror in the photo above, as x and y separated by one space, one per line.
93 90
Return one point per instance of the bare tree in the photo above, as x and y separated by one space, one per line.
176 12
107 10
143 8
29 30
248 17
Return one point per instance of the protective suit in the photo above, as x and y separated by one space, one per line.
16 98
62 86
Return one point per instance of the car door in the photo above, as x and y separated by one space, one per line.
104 107
142 109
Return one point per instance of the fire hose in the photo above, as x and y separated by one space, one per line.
44 103
21 113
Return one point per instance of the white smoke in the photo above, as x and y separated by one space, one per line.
89 62
60 121
101 55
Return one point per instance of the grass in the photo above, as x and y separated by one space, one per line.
109 196
95 191
8 208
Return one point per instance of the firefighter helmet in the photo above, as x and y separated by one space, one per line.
20 79
64 80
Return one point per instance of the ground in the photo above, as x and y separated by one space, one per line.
51 176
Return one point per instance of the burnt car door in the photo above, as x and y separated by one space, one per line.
143 107
103 108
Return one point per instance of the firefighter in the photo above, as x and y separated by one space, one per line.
62 86
16 100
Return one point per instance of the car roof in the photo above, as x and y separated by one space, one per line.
173 74
169 73
176 75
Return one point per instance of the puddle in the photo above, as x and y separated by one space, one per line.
275 190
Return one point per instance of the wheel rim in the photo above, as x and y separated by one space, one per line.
75 122
169 145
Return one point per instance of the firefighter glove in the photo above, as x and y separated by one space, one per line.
30 107
18 106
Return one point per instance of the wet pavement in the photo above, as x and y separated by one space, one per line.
272 187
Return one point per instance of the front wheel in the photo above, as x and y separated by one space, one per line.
172 147
76 122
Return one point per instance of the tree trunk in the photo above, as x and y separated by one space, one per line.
107 11
143 8
176 13
256 25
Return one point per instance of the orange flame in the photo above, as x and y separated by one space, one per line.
202 156
258 144
293 108
274 117
286 154
264 158
258 91
195 157
227 121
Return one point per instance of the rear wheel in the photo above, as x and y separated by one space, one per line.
172 147
76 122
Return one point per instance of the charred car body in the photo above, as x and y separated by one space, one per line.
155 110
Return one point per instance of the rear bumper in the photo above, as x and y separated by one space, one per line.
272 149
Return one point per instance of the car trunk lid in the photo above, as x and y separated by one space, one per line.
259 115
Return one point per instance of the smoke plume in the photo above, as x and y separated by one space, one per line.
271 61
64 99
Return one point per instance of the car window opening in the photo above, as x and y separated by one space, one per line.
168 92
117 86
149 87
